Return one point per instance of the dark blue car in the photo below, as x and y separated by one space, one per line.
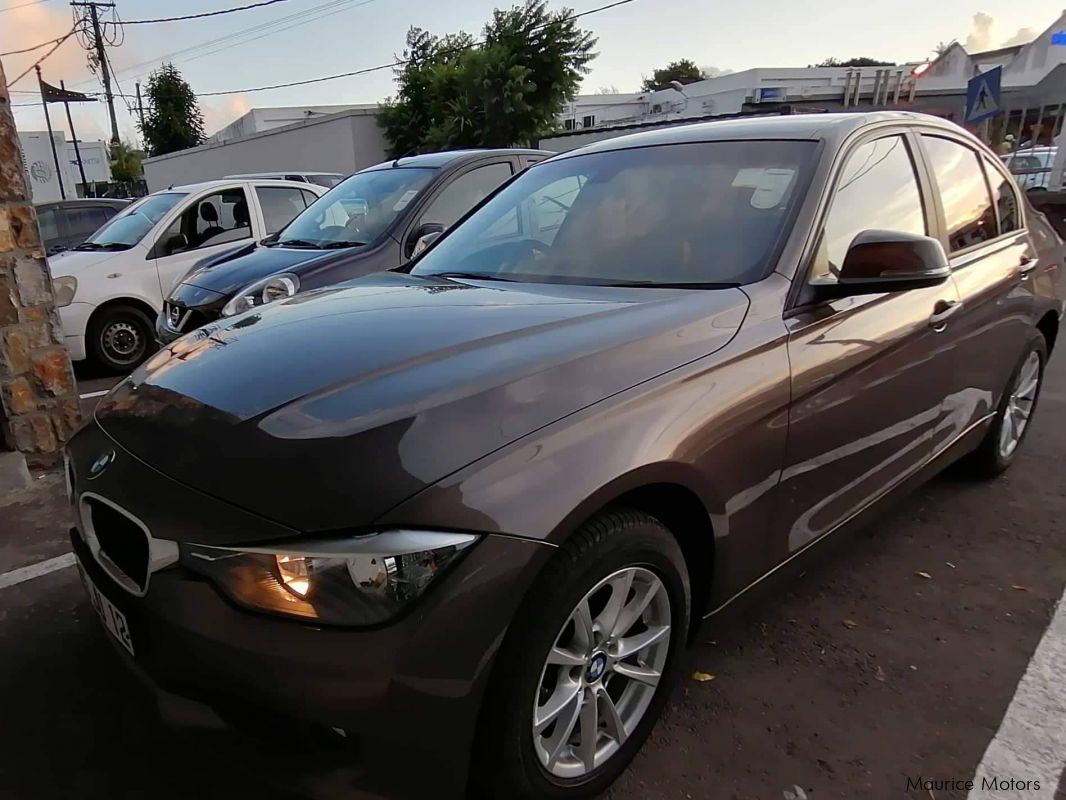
375 220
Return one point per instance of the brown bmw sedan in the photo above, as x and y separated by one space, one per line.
458 522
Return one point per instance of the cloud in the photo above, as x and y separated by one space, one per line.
714 72
32 24
1023 36
980 36
221 111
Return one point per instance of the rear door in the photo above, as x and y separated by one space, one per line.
870 373
279 205
991 255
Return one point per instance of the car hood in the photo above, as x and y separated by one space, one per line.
73 262
325 410
236 269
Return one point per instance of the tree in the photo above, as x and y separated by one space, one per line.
172 119
125 163
453 92
943 47
683 71
856 62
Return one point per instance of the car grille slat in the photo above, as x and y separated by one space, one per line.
122 541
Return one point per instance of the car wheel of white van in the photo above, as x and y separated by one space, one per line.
119 338
588 663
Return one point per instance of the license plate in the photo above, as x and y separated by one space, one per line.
113 619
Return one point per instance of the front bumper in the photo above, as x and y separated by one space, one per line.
75 320
399 703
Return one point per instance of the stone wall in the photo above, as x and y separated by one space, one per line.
38 398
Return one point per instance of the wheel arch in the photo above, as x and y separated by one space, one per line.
115 302
1049 326
669 493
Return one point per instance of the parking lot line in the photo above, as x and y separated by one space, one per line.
1030 746
22 574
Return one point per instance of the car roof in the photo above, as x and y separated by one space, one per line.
86 201
281 172
810 126
190 188
450 157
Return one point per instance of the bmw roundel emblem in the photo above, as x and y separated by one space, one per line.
102 462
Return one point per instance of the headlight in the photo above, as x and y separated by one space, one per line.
364 580
65 288
267 290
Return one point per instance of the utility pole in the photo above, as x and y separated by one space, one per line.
140 108
102 57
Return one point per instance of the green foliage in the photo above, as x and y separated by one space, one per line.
125 162
683 71
454 92
862 61
172 118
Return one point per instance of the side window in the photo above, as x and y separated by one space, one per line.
464 193
280 205
1020 164
968 210
551 204
309 197
49 225
216 219
877 189
1005 199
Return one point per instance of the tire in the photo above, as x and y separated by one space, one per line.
510 757
120 338
992 457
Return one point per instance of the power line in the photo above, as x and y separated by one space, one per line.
222 42
33 66
204 14
35 47
24 5
392 64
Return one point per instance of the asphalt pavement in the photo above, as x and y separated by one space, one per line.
906 654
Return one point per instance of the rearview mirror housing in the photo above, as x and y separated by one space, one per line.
423 236
179 241
890 261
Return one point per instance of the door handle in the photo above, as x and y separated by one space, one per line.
1027 265
942 312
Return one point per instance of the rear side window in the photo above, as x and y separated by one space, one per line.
968 209
877 190
1005 199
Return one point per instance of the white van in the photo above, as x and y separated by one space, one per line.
110 289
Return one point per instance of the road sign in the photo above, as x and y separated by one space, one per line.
982 95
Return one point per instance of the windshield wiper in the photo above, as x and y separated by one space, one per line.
336 245
297 243
479 276
103 246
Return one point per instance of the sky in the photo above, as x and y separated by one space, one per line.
324 37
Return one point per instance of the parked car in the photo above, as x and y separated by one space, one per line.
465 515
327 179
377 219
66 223
1031 167
110 288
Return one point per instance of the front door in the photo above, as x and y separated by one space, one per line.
990 255
210 224
870 374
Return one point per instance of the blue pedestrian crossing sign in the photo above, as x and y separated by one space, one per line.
982 95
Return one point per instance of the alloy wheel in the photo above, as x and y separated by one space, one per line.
601 673
1019 408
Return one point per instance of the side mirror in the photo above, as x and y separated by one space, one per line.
270 239
179 241
891 261
425 235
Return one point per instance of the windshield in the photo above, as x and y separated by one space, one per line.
357 211
688 214
127 228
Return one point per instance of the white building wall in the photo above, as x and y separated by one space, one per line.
258 120
343 143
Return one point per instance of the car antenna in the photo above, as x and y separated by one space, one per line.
410 152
